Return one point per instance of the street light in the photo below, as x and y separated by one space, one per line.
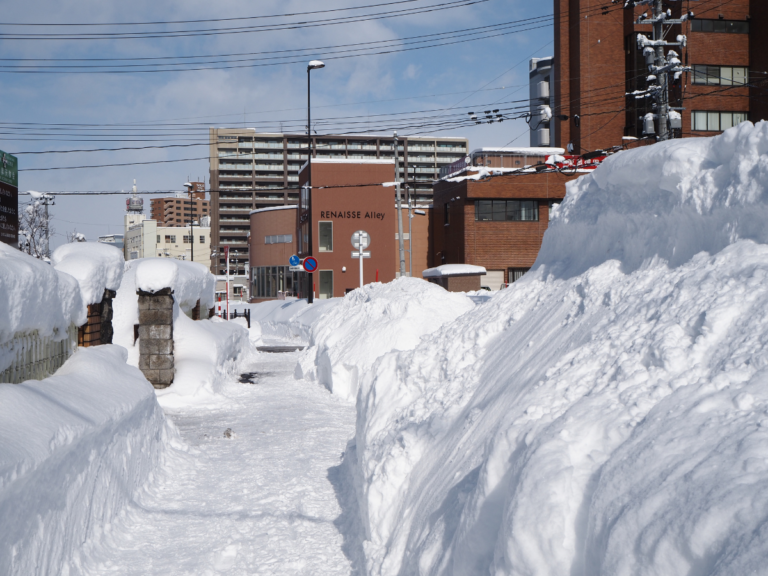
313 65
191 224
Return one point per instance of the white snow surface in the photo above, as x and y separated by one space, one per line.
206 352
95 266
607 414
347 339
35 296
75 448
289 320
453 270
190 281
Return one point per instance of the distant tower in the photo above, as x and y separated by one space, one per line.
134 216
134 205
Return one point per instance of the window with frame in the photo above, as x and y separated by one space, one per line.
158 239
325 236
185 239
506 210
709 121
720 75
202 239
447 214
516 273
721 26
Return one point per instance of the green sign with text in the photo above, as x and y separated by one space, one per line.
9 169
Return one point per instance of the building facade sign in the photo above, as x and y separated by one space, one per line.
9 199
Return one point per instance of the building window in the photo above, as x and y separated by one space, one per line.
185 239
506 210
721 75
278 239
202 239
447 214
158 239
326 284
516 273
702 121
325 234
722 26
237 291
269 280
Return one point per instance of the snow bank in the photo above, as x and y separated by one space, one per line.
75 447
35 296
206 352
453 270
95 266
607 414
346 340
289 319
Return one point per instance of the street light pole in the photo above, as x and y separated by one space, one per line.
313 65
191 224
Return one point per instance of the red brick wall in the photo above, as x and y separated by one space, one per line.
267 224
758 55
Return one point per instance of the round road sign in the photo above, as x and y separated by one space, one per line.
310 264
294 260
361 240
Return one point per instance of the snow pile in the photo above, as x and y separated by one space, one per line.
607 414
35 296
290 319
453 270
205 351
75 448
95 266
346 341
190 281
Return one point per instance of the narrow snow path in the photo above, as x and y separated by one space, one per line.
263 501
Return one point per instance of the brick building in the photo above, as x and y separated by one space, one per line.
495 221
179 209
597 62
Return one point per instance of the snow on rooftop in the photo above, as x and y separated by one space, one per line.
95 265
453 270
273 208
540 151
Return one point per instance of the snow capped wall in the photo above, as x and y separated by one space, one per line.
35 296
346 340
190 281
606 414
670 200
95 266
75 447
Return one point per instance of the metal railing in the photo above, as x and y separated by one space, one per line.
36 357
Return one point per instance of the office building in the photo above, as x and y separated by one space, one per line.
597 62
180 209
116 240
145 239
251 171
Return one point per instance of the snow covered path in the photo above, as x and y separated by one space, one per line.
260 502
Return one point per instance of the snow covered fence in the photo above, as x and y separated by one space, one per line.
75 449
98 269
40 308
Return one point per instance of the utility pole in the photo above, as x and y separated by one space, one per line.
48 200
660 67
191 223
399 210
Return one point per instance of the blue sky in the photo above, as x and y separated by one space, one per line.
260 97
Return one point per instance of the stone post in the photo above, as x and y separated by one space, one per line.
156 336
106 316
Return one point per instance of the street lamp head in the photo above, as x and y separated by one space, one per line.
315 64
188 184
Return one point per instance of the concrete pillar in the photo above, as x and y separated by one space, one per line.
156 336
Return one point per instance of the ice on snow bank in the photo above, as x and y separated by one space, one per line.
346 340
95 266
35 296
205 351
289 319
608 419
75 447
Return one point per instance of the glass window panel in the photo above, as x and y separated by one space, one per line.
530 210
699 74
484 210
726 120
696 26
739 76
726 76
739 117
736 27
719 25
713 121
513 210
699 120
713 74
325 230
706 25
326 284
499 210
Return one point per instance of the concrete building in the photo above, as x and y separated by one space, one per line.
597 61
542 101
179 210
251 170
146 239
116 240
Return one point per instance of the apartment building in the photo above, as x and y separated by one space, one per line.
597 62
251 170
147 239
180 209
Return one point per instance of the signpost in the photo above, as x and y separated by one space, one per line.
360 241
9 199
294 260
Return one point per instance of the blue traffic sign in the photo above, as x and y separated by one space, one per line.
310 264
294 260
